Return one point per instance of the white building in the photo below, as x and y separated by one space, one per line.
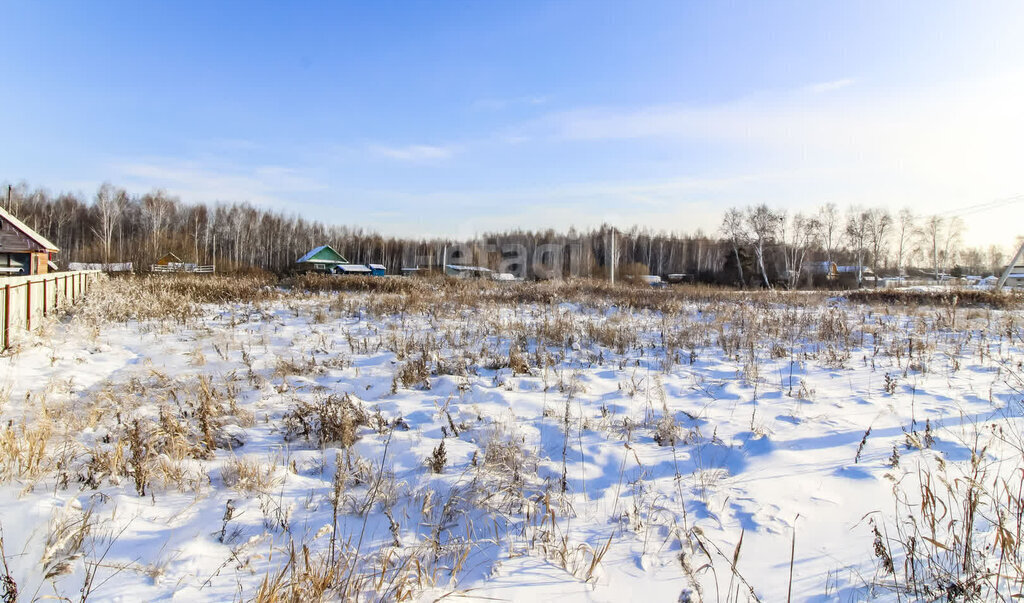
1016 277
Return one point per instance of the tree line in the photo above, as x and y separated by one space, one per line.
755 246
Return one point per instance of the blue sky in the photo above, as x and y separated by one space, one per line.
460 117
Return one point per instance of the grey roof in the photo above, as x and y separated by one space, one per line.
352 268
461 268
35 236
377 266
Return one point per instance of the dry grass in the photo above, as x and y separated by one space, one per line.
250 476
954 297
329 420
159 432
174 297
957 537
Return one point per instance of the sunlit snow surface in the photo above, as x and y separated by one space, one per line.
767 447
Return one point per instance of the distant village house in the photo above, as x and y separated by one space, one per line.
172 263
322 259
1016 277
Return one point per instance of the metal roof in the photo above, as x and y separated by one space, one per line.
355 268
28 232
461 268
308 258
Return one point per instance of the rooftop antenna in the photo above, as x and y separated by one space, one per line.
8 197
1010 267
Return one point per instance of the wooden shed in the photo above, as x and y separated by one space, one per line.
169 259
352 269
23 250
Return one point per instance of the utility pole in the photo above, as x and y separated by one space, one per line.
1010 267
613 257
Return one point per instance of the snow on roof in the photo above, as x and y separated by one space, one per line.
308 256
377 266
352 268
461 268
28 232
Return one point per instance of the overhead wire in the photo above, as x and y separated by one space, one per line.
979 207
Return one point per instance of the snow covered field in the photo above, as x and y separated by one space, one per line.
562 443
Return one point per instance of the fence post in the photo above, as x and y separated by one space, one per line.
7 316
44 297
28 305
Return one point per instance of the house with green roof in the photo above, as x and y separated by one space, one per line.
322 259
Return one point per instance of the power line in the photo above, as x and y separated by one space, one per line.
978 207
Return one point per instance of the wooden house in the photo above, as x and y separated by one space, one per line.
321 259
169 259
172 263
23 250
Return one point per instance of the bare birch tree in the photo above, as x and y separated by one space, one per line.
952 238
857 235
734 231
797 237
763 226
904 234
879 224
108 206
830 229
931 234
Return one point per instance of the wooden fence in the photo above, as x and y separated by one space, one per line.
26 300
192 268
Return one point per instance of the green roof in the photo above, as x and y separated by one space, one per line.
325 254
